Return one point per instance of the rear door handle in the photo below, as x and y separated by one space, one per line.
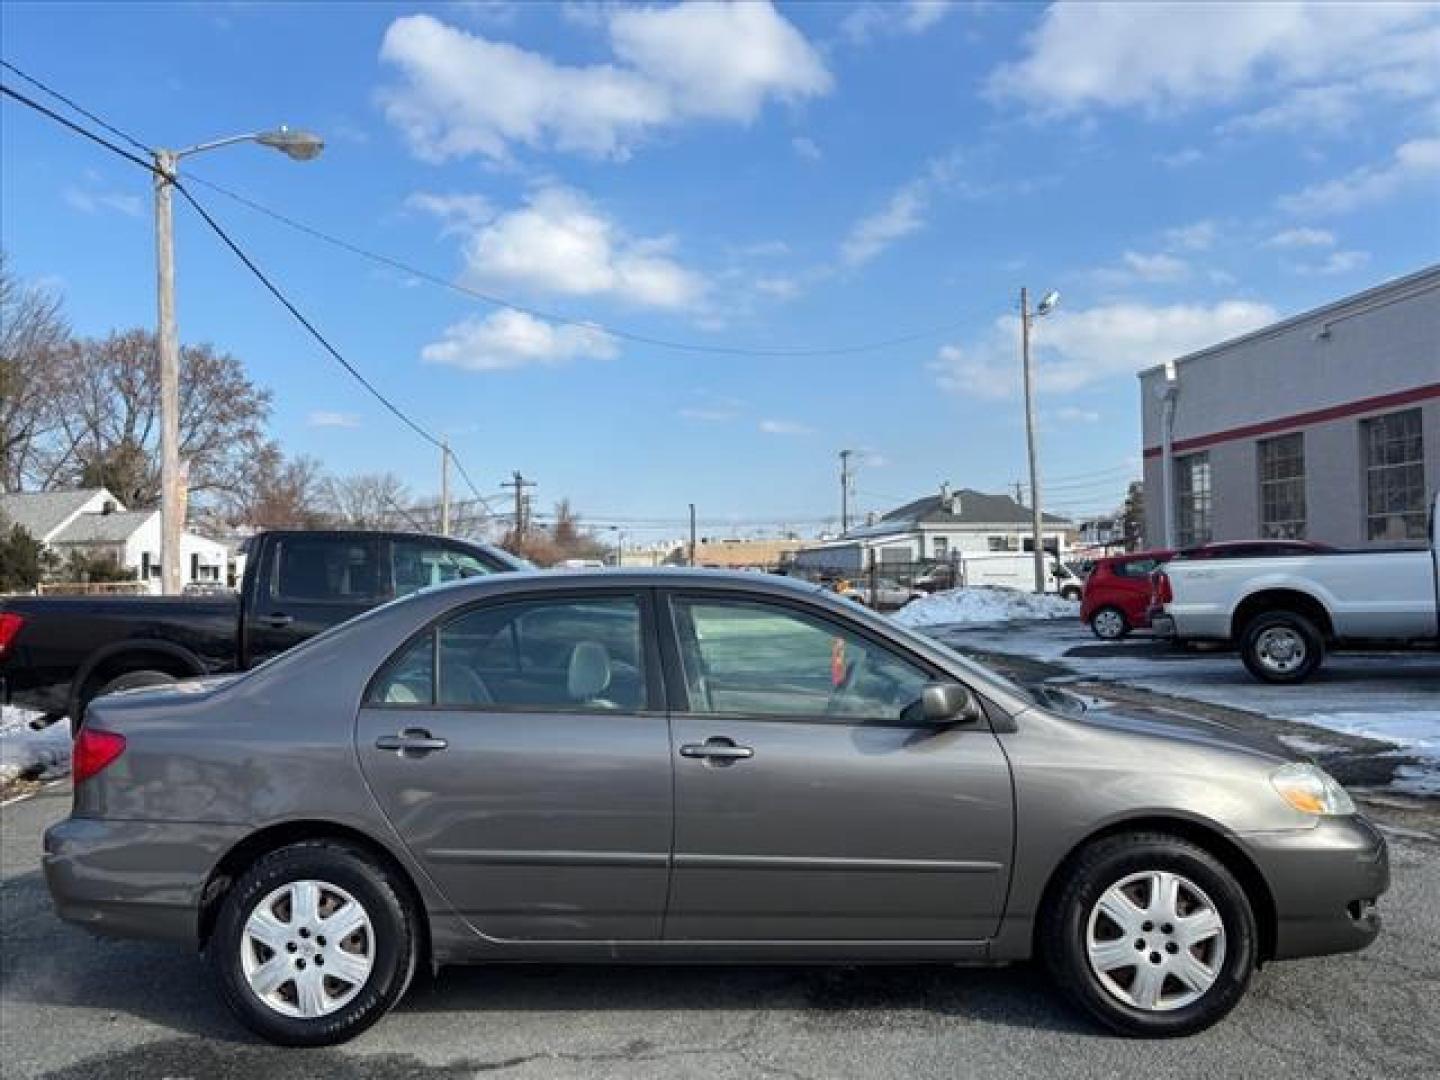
411 741
278 620
722 751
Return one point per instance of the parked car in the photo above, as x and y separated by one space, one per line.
1117 593
59 652
887 595
689 766
1283 612
1120 589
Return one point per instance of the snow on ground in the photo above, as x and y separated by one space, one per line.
1418 733
974 605
25 752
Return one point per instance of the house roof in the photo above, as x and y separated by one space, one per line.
971 508
113 528
42 512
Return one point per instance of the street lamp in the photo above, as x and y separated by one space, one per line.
1047 305
619 546
299 145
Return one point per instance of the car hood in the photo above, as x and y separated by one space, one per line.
1166 723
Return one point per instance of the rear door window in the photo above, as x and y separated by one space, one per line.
327 569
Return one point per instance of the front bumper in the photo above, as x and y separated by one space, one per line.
133 878
1324 882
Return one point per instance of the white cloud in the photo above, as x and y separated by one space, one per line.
89 201
870 20
1156 269
455 210
902 215
781 288
806 147
324 418
462 94
1414 163
1301 238
1077 348
785 427
1180 159
559 242
507 339
1161 57
1197 236
1070 414
1336 262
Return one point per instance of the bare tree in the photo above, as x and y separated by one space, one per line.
280 493
33 334
109 419
367 501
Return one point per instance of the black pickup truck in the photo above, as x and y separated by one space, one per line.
58 652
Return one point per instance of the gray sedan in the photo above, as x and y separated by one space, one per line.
689 766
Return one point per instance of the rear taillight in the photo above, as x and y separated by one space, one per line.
94 751
1163 593
10 625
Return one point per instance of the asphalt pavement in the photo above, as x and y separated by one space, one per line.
75 1006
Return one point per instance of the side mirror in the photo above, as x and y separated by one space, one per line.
944 703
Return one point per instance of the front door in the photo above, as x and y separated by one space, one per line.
308 584
809 802
515 750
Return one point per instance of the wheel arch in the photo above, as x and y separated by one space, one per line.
1208 837
246 852
1281 599
122 657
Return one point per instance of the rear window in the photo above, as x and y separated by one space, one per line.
1136 568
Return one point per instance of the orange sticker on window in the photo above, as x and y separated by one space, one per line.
837 661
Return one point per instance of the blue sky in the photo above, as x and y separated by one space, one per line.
801 176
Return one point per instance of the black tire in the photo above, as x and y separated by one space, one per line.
394 945
1109 610
1256 642
1065 924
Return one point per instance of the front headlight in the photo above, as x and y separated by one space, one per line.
1311 790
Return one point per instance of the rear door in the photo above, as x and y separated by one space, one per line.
1131 582
310 582
519 749
807 805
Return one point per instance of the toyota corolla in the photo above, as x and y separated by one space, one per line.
689 766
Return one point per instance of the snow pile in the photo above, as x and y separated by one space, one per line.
1417 734
977 605
25 752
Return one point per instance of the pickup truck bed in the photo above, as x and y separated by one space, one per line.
58 652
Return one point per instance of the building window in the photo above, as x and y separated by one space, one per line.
1282 486
1192 499
942 547
1394 476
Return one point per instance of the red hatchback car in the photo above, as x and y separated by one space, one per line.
1117 593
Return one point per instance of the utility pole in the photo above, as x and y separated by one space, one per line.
444 487
692 534
845 491
519 483
168 341
1019 492
299 145
1035 514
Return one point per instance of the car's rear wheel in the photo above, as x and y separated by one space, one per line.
1282 647
1109 624
313 944
1151 935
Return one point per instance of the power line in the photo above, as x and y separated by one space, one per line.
227 240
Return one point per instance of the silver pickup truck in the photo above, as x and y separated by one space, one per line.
1283 612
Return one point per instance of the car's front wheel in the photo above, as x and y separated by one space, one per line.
313 944
1151 935
1109 624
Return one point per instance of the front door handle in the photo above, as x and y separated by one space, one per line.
720 750
278 620
411 741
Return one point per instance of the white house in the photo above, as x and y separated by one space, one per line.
936 528
94 521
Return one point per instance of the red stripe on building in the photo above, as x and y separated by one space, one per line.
1317 416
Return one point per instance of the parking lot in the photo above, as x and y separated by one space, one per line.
76 1006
